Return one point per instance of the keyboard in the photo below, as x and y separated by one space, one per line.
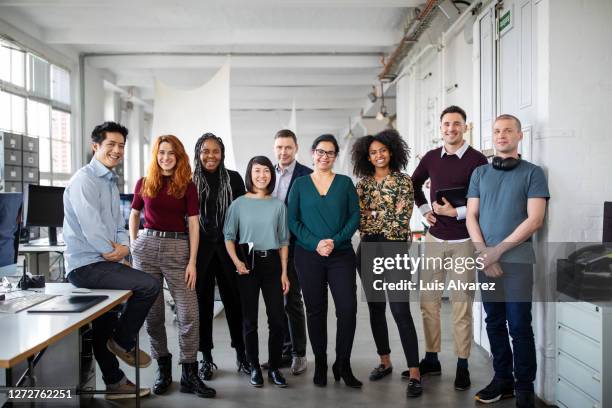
21 300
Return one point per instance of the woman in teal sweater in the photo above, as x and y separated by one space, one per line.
324 215
260 221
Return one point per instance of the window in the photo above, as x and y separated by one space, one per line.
35 101
12 113
38 119
60 143
38 77
12 61
60 85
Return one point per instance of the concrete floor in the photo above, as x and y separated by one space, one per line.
233 389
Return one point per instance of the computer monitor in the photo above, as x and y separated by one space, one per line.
10 220
43 206
607 223
126 208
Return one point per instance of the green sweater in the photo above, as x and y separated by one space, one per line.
260 221
313 217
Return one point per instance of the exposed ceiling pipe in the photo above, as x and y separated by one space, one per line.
411 35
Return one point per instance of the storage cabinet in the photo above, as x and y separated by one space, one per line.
584 354
18 162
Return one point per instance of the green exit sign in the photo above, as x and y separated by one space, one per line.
505 21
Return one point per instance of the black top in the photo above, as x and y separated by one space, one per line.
211 232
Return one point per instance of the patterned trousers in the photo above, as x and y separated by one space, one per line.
167 258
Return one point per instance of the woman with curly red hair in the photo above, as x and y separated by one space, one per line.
167 250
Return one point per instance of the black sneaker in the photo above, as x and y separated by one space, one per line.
380 372
206 370
525 399
462 379
495 391
414 388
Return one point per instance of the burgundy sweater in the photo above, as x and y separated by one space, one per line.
164 212
449 171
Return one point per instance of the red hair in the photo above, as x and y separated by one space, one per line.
181 176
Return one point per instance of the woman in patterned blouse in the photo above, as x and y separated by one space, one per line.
386 199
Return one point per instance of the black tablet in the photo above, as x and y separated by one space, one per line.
68 304
456 196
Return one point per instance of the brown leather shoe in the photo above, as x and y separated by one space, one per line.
128 357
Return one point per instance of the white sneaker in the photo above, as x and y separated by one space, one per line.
125 391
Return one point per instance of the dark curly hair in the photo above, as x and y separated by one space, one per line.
400 152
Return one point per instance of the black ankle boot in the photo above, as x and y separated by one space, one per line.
191 383
320 374
164 375
342 369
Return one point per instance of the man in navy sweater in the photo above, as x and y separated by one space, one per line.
287 171
449 166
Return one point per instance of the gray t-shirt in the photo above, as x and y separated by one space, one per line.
503 203
260 221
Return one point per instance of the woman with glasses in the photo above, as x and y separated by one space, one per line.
386 199
167 250
259 221
324 215
217 187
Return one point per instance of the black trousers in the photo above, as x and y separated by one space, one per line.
265 276
294 342
115 275
214 263
401 314
316 272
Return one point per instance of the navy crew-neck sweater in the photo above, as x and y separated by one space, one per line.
448 171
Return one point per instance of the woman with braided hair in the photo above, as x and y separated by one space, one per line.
217 188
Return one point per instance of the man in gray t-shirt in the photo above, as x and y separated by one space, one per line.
506 206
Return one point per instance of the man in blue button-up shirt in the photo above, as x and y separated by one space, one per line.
96 246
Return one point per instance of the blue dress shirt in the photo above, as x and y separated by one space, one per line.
92 218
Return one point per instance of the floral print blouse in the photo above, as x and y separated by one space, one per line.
386 206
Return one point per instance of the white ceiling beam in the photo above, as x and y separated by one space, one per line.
203 61
244 77
214 3
310 115
196 36
297 92
352 103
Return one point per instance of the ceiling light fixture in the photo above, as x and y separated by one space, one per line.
372 95
382 113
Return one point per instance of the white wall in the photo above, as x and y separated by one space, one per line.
574 99
95 97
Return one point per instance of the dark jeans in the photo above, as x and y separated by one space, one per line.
214 263
295 321
265 276
517 314
400 310
316 273
114 275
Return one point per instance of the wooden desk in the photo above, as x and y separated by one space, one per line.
26 335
